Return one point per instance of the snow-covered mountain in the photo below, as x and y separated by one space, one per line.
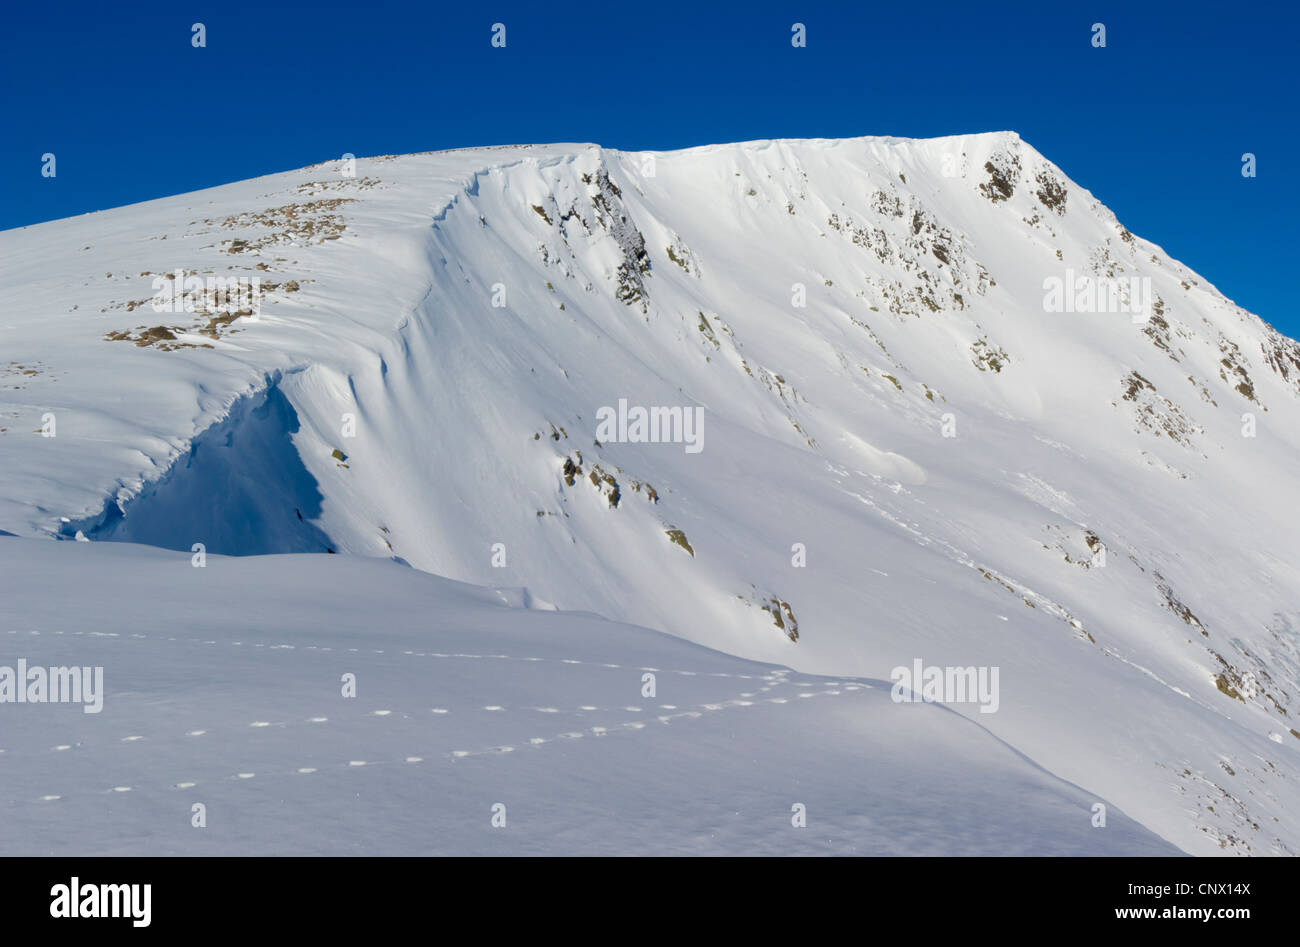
914 442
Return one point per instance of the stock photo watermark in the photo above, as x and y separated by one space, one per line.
932 684
653 425
23 684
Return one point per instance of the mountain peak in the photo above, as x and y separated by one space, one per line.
939 373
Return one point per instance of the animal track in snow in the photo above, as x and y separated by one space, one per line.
282 646
775 678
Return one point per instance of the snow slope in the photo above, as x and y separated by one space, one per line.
466 700
1164 681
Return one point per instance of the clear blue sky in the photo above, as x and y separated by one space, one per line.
1154 124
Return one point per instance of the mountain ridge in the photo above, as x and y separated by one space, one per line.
824 428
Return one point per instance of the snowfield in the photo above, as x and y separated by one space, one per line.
906 454
223 689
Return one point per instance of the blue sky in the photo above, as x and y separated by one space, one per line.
1155 124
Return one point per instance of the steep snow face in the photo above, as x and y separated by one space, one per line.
916 440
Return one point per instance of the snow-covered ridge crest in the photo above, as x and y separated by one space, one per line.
907 454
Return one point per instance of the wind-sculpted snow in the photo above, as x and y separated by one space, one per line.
920 438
